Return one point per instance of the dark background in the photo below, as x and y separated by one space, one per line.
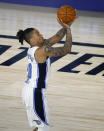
91 5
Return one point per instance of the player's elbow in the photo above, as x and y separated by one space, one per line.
68 50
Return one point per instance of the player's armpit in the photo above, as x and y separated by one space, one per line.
56 38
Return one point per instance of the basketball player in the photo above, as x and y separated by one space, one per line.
34 92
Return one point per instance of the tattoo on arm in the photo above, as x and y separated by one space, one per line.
56 38
68 42
61 33
58 51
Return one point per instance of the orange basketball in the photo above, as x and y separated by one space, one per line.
66 13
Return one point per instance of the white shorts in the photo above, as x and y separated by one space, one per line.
35 101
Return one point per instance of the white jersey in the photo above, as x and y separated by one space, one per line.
37 73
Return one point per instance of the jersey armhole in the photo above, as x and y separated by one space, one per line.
34 54
40 62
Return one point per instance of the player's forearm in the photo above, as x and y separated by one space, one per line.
61 33
68 42
56 38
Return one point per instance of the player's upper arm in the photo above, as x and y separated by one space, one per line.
52 51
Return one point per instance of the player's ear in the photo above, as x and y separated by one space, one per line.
31 40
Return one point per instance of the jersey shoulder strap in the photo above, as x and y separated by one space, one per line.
31 51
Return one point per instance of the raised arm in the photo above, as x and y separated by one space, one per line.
56 38
47 50
58 51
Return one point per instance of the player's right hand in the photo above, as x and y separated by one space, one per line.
66 26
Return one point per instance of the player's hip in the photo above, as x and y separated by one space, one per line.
31 93
36 83
36 99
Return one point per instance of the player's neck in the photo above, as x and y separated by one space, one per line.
39 45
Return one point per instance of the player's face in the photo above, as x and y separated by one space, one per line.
37 37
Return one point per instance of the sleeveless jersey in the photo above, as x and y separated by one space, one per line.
37 73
